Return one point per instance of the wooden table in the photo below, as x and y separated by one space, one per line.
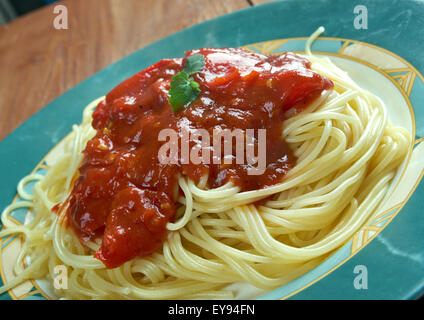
38 63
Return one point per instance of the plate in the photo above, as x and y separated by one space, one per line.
388 252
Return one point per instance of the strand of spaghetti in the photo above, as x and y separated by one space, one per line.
188 207
312 38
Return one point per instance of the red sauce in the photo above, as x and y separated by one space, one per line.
125 195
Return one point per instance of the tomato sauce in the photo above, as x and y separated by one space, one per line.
125 196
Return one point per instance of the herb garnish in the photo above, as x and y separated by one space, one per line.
184 90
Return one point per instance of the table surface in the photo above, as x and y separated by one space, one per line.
38 63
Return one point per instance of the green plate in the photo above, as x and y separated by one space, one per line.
385 58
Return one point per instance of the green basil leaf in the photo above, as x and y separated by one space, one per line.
194 64
184 90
